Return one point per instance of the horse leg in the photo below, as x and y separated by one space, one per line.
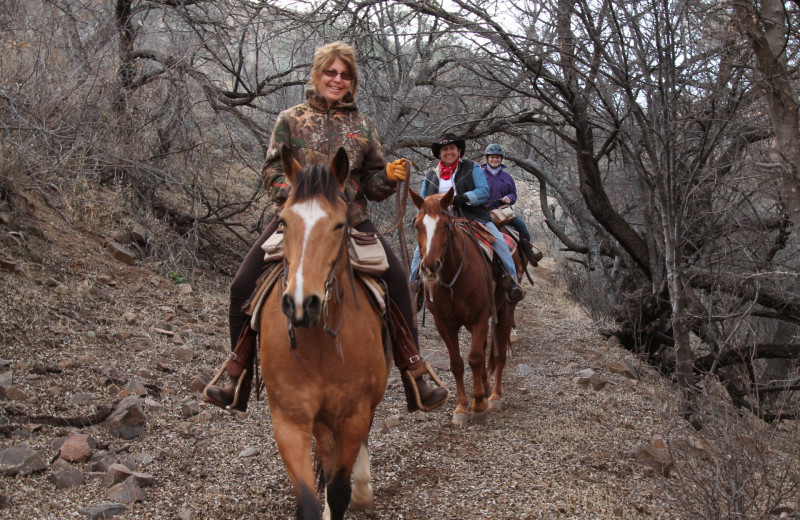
294 445
325 447
349 443
477 362
362 497
503 334
449 335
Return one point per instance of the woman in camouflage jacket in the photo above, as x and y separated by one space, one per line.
314 131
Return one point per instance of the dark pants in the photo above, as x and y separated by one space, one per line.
521 228
253 265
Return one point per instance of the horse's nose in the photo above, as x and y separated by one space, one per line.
312 308
308 315
287 306
431 275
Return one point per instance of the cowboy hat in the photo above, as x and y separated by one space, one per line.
448 138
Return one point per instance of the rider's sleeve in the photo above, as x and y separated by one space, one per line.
272 171
423 190
481 192
512 193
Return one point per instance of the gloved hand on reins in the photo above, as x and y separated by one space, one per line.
396 170
460 200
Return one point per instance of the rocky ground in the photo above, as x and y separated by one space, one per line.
81 329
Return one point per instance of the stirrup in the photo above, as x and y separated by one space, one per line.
412 375
214 380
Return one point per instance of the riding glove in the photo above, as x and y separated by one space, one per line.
460 200
396 170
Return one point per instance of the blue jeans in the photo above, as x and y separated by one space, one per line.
500 248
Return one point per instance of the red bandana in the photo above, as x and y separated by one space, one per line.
446 172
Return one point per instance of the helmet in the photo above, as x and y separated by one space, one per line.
494 149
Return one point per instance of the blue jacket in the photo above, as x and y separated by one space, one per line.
469 180
500 185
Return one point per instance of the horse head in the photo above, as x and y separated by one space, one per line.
434 225
314 220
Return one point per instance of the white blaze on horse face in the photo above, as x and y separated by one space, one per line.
311 213
430 228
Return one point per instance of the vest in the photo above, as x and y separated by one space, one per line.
463 183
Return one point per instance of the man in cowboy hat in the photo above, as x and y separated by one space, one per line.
471 192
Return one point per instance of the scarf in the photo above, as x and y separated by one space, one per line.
446 172
494 171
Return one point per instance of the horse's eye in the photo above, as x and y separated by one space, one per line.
282 222
339 226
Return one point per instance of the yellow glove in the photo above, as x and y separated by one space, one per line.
396 170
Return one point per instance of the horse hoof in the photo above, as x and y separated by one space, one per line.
479 417
495 406
459 419
363 503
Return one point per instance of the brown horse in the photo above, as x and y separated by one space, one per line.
460 292
323 359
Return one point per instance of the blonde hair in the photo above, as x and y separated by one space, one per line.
327 54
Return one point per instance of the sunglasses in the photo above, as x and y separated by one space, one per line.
331 73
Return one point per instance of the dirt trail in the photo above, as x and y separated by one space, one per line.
75 321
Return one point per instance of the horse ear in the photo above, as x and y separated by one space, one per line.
416 198
447 198
340 165
288 163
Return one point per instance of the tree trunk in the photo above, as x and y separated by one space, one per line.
126 69
769 42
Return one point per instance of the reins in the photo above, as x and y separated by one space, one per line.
449 243
331 286
400 204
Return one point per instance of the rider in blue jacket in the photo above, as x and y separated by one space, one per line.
471 194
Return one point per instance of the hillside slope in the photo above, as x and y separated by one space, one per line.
79 329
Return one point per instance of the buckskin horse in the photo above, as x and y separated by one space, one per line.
460 292
323 360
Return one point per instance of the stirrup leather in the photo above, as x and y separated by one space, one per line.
238 385
412 375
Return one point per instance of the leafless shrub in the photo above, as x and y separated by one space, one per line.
736 466
585 289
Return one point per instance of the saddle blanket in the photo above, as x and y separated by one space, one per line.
485 237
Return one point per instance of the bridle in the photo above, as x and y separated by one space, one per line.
451 224
332 287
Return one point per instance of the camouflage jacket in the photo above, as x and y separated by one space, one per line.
314 133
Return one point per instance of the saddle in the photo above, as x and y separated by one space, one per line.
502 215
364 249
485 237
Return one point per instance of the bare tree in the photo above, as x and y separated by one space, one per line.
669 160
639 122
766 25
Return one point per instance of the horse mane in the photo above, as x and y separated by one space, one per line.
315 180
431 205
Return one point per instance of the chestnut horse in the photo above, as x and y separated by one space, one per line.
460 292
323 359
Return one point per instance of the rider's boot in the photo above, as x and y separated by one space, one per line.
239 367
533 256
514 292
420 395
